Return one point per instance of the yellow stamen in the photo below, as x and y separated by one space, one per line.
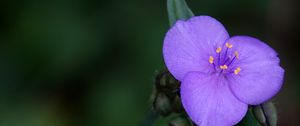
219 49
211 60
228 45
237 70
236 54
224 67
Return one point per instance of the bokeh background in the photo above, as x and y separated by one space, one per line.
93 62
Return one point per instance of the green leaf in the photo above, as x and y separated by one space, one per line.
178 10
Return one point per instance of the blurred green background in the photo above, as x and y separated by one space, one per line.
93 62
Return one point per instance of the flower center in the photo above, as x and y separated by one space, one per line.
225 61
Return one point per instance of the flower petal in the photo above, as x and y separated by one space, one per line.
208 100
260 77
188 44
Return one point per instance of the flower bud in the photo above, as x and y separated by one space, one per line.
165 82
173 84
177 105
162 104
180 121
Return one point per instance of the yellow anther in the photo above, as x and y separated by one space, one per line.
236 54
237 70
224 67
228 45
219 49
211 60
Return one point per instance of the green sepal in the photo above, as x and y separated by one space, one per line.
266 114
249 119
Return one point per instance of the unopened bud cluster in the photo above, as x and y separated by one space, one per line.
167 98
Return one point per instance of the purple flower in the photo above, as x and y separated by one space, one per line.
220 75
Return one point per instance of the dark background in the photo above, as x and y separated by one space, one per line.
93 62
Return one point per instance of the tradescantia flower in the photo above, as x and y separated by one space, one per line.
220 75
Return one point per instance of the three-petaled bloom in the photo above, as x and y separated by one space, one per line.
220 75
